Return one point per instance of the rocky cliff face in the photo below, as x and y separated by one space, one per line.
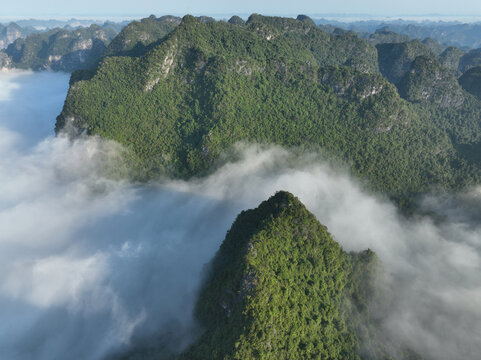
5 61
348 83
10 33
59 49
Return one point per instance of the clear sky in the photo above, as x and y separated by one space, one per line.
38 8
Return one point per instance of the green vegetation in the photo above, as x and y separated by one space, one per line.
275 289
305 18
396 59
434 46
471 81
206 86
469 60
327 49
428 80
135 38
386 36
281 288
60 49
450 58
236 20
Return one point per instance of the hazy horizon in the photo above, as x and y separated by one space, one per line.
464 9
219 16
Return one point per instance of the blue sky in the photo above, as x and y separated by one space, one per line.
37 8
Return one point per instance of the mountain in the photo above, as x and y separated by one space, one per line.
395 59
135 38
448 33
434 46
386 36
450 58
236 20
428 80
274 289
60 49
73 23
470 59
328 49
138 37
305 18
5 61
206 86
12 32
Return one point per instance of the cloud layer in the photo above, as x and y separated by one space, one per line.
89 264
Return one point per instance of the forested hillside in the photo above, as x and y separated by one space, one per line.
208 85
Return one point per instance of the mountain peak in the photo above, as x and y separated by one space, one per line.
305 18
280 201
188 19
277 268
236 20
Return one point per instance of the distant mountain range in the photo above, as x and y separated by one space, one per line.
464 35
59 49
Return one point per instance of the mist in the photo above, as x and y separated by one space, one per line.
91 265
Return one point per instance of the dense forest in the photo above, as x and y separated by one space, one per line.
394 112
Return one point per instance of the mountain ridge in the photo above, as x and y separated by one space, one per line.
206 86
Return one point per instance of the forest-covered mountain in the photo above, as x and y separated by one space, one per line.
278 271
138 37
80 47
280 287
471 81
393 112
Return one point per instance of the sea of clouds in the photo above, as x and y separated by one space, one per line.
91 265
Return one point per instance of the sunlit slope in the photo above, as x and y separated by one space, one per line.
272 81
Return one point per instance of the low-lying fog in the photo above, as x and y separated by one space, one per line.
89 265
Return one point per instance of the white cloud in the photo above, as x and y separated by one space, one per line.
89 264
